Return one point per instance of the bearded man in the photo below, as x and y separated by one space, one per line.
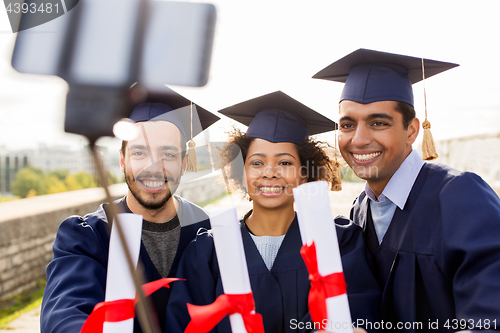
153 164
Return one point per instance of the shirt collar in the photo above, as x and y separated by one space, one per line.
399 186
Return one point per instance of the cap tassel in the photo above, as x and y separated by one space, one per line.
336 181
192 162
429 152
428 148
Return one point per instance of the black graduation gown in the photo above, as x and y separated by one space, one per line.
439 261
281 295
76 277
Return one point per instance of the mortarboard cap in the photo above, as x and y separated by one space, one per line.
372 76
175 108
276 117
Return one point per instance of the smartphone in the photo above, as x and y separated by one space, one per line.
96 44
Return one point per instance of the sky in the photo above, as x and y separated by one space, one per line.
264 46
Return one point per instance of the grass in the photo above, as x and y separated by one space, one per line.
17 305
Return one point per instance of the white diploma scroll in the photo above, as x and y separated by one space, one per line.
231 257
119 282
315 218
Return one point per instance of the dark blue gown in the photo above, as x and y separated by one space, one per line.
76 277
440 258
281 295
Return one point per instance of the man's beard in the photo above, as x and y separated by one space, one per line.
157 202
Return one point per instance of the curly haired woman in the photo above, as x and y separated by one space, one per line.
278 155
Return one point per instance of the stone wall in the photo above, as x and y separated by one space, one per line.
479 154
28 226
201 187
27 231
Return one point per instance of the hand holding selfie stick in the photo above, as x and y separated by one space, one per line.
116 314
144 308
100 48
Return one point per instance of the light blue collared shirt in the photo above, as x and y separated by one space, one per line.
395 193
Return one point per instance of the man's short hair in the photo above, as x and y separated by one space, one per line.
407 111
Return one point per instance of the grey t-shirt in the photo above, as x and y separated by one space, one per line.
161 241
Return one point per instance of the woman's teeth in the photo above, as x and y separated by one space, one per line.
366 157
270 189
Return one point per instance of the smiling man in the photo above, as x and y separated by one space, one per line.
375 140
434 232
153 164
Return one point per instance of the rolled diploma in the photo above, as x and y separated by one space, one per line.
119 283
301 207
313 207
231 257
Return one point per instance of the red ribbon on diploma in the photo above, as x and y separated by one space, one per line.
322 287
119 310
205 317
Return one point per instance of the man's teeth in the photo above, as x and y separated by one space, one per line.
151 184
366 157
270 189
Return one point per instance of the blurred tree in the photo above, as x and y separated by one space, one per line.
32 181
31 193
38 171
29 178
112 179
85 180
54 184
61 174
72 183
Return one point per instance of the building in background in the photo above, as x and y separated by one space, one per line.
10 163
50 158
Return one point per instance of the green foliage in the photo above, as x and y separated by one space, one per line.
37 171
60 174
112 179
31 193
85 180
27 179
31 182
54 184
72 183
14 307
